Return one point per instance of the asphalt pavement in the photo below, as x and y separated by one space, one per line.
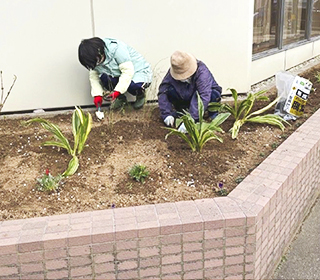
302 260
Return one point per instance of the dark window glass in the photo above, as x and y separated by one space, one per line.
294 28
315 31
264 25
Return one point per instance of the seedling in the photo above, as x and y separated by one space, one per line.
221 190
241 111
201 132
48 182
139 172
81 127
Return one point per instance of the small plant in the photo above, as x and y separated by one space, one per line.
200 132
4 97
139 172
317 76
48 182
221 190
81 127
241 111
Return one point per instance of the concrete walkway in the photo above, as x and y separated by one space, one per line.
302 260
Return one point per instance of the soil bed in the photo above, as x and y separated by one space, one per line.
115 144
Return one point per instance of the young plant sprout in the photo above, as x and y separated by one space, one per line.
139 172
48 182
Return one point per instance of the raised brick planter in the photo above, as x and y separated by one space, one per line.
240 236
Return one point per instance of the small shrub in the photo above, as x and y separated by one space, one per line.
241 111
201 132
48 182
81 127
139 172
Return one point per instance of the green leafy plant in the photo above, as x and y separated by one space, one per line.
139 172
81 127
201 132
241 111
221 190
48 182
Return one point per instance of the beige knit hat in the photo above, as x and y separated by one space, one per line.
183 65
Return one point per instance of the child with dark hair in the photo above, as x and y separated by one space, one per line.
117 68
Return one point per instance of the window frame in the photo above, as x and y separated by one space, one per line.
280 47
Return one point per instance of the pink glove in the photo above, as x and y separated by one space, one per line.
97 100
114 95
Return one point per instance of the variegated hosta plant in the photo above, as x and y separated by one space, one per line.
241 111
81 127
200 132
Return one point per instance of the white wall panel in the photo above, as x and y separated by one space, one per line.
216 32
298 55
39 44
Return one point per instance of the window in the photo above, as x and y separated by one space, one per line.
277 23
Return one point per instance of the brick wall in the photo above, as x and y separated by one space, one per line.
240 236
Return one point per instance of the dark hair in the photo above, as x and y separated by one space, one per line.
90 51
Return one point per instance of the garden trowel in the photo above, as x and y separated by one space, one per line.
99 113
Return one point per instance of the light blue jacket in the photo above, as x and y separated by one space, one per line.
118 53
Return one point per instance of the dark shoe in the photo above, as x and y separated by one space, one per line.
140 100
119 103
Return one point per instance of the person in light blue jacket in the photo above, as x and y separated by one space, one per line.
114 68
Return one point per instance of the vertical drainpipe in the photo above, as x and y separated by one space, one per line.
92 19
280 19
309 19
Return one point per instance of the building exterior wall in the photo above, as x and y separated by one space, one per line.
240 236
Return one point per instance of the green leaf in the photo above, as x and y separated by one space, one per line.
72 167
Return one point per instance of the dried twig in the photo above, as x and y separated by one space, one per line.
2 102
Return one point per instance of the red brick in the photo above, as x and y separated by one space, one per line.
216 273
32 267
31 257
190 247
234 260
149 252
214 234
126 245
8 271
231 251
171 259
170 269
230 232
55 254
213 263
213 244
102 248
171 249
152 271
194 256
56 264
104 268
234 269
198 265
78 240
127 265
235 241
8 259
30 247
80 261
79 251
127 255
81 271
171 239
213 254
103 258
32 276
104 276
130 274
192 236
151 261
149 242
192 275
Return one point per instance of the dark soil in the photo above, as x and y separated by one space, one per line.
116 144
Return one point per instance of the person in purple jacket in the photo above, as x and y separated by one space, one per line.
178 90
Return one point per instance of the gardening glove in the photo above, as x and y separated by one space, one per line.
169 121
97 100
182 128
114 95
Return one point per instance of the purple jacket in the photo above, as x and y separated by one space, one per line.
202 81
